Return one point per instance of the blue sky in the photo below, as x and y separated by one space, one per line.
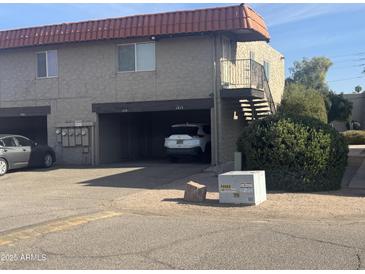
297 30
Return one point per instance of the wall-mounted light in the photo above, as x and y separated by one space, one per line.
235 115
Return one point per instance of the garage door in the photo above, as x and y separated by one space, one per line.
139 135
30 122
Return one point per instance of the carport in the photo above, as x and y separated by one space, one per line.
136 130
27 121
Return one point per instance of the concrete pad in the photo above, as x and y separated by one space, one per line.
356 151
353 165
358 181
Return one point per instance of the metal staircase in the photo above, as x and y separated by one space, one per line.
245 80
255 108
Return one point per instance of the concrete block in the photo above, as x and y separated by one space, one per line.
195 192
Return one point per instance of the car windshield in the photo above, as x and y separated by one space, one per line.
186 130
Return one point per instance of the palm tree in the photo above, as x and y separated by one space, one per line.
358 89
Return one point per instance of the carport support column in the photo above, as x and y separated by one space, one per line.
96 146
214 136
93 144
215 114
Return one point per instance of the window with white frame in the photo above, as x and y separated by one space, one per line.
267 69
136 57
47 64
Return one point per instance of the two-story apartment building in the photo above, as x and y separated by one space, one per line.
108 90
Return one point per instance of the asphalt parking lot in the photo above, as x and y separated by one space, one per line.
32 196
88 218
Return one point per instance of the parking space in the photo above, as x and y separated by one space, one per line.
39 195
141 135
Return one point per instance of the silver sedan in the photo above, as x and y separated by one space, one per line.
18 152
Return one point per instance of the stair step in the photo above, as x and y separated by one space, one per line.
261 104
246 109
256 105
262 109
263 114
259 101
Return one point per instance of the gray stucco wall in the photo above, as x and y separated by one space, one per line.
88 74
358 111
231 124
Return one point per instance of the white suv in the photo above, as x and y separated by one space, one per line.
190 139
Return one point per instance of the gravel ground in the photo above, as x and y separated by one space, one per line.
345 204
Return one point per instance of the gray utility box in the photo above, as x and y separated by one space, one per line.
242 187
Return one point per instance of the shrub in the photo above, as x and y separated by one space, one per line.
354 137
298 153
300 100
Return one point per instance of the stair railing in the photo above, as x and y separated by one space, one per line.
262 82
246 73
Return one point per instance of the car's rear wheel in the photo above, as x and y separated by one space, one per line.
3 166
47 160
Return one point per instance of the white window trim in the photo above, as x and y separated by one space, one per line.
47 76
135 57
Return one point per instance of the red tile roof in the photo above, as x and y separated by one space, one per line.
232 19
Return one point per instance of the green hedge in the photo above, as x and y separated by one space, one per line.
354 137
298 153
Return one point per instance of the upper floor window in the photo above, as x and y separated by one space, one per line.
136 57
47 64
267 69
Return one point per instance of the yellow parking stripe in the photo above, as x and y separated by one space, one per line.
54 226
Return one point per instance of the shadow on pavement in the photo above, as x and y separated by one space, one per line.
146 175
207 203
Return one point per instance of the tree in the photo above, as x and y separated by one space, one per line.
358 89
301 100
339 108
311 73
